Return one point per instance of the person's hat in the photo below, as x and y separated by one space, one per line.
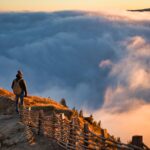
19 74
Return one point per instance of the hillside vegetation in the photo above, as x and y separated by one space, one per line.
7 106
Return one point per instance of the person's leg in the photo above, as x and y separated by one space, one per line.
21 100
17 99
21 106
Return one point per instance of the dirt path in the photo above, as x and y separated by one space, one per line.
15 136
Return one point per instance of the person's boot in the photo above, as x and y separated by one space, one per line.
17 111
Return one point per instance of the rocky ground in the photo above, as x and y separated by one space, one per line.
16 136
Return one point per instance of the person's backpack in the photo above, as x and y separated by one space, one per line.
16 87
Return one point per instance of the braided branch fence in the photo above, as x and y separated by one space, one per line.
69 134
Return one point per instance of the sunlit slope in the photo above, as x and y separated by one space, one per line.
7 105
32 100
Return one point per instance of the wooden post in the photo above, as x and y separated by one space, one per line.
86 131
137 141
54 121
40 123
29 116
62 127
103 139
72 134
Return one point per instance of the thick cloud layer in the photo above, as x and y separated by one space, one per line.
94 60
84 57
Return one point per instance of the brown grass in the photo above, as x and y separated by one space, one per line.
46 103
33 100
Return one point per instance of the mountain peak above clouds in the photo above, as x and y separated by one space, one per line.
141 10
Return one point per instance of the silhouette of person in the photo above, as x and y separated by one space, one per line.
20 89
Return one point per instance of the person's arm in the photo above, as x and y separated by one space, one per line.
12 85
24 87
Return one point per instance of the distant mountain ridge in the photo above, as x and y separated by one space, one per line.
141 10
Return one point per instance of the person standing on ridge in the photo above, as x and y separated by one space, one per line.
19 88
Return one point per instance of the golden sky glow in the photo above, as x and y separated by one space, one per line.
52 5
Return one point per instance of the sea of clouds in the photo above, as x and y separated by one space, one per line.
97 61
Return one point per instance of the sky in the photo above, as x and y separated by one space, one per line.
55 5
